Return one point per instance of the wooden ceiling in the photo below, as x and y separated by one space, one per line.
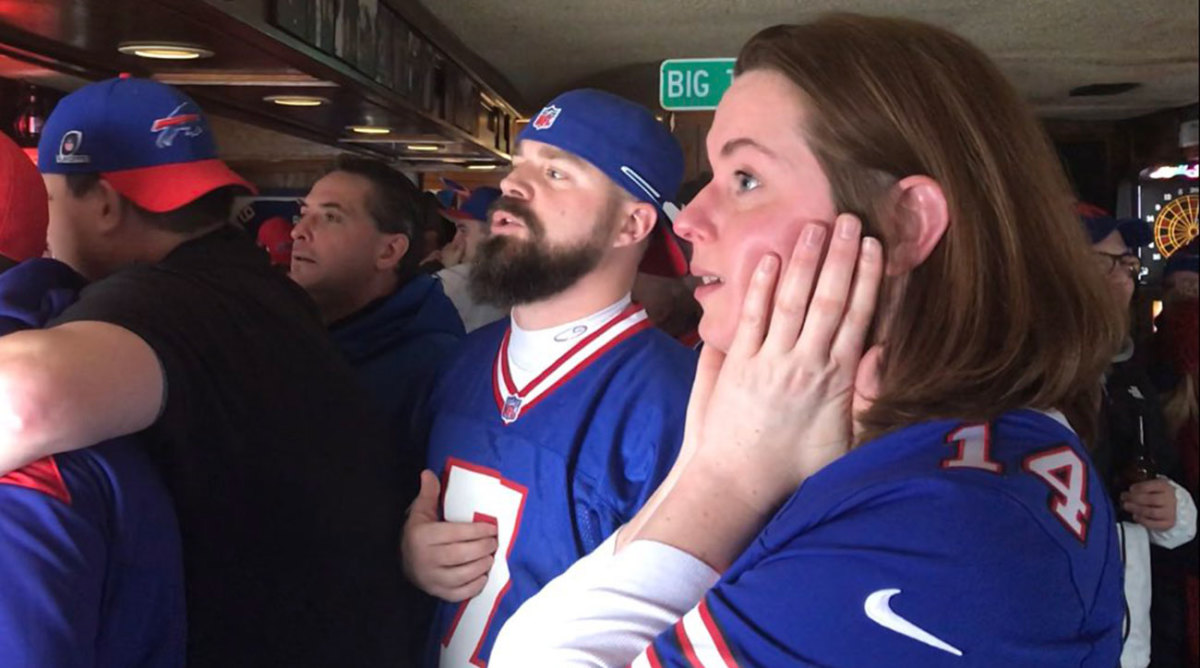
1047 47
65 43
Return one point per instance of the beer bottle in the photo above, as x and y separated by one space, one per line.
1140 466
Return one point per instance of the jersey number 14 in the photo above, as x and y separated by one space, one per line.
1059 467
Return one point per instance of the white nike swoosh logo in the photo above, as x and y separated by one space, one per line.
879 610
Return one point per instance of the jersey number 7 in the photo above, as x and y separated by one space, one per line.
475 494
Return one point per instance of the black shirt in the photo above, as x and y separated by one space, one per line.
286 492
1131 420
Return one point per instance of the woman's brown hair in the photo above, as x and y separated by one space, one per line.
1008 311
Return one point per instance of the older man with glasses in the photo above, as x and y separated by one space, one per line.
1134 457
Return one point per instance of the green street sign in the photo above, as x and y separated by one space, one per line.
693 84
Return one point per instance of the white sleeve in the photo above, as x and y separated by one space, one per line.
1185 521
605 609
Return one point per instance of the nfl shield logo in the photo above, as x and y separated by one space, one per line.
512 409
546 118
68 149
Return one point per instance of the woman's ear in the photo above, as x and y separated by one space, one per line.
920 218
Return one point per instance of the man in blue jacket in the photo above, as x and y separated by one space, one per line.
353 253
90 567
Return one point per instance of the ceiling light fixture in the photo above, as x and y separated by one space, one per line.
481 168
164 50
1186 170
297 100
428 148
370 129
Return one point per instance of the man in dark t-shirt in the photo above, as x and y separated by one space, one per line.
285 491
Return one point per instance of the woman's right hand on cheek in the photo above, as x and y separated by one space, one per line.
779 409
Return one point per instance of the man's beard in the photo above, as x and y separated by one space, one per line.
508 271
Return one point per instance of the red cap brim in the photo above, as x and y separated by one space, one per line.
168 187
664 256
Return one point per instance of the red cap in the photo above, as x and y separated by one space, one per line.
275 235
168 187
664 256
24 212
1089 210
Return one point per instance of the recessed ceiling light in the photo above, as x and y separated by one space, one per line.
164 50
481 168
370 129
423 147
297 100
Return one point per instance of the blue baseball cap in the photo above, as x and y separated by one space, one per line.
625 141
1134 232
150 141
476 206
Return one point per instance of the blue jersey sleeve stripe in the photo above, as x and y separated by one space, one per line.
715 635
685 645
704 645
647 659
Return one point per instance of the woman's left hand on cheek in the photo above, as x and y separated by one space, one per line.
780 408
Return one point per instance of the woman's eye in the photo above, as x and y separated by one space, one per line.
746 182
554 174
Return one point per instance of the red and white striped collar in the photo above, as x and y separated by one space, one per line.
514 402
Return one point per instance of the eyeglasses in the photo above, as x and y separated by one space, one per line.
1108 262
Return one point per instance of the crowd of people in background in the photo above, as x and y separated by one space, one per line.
1139 456
405 430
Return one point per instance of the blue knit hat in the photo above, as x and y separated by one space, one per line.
1134 232
476 205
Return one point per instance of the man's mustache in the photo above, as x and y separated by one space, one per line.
517 209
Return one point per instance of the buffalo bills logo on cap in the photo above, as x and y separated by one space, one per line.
546 118
185 119
68 149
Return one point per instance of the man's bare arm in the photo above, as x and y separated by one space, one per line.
71 386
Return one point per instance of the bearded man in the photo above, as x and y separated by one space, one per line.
551 428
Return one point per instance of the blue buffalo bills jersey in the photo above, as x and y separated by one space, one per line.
941 544
90 566
558 465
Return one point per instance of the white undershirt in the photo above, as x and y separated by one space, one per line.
605 609
532 351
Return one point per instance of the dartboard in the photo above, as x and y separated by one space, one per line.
1175 225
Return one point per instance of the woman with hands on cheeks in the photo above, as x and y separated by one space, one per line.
884 460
